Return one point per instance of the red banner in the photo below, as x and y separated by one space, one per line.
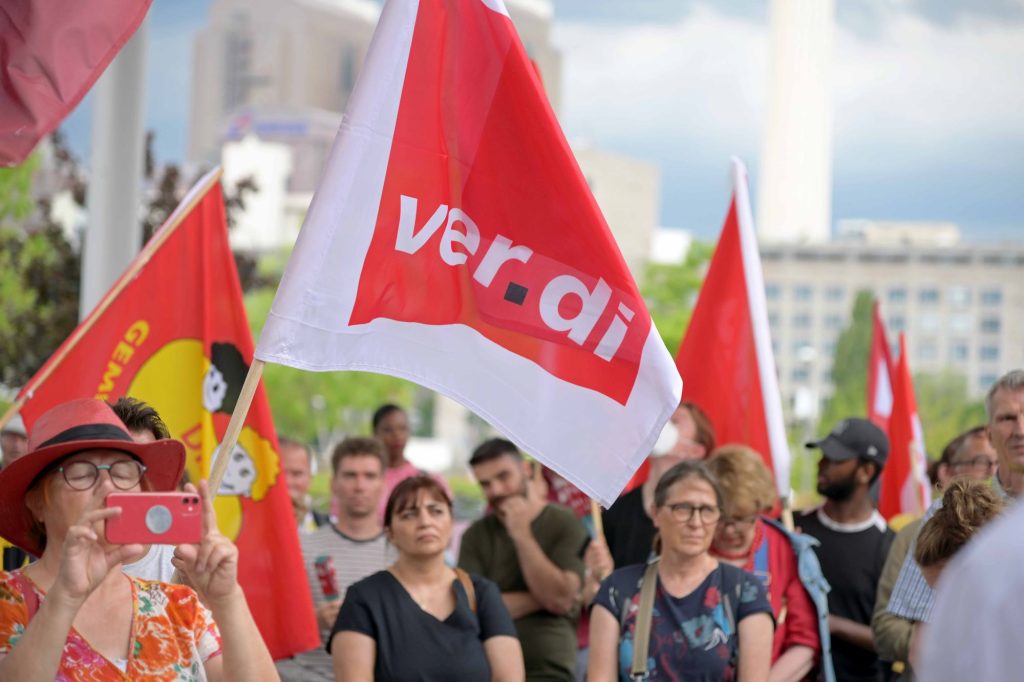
176 336
50 55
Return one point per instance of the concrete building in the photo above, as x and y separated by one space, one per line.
960 305
795 179
629 194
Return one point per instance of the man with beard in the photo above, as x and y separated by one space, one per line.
340 554
532 550
854 541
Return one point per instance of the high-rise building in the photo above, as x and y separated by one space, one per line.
795 178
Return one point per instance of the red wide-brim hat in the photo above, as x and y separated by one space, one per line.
86 424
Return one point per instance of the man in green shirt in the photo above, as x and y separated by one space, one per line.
533 551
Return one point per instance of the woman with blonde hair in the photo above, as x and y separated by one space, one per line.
784 562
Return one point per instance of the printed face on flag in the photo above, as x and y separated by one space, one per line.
479 226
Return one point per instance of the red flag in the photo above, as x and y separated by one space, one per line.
453 241
904 487
879 373
176 336
51 53
726 358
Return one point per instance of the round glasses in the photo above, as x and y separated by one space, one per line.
125 474
979 463
740 523
684 512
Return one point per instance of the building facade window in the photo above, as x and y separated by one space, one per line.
897 295
896 323
928 296
834 294
772 292
985 382
992 296
989 353
801 321
958 351
803 292
833 321
990 325
959 297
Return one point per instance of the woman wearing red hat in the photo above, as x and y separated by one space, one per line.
73 614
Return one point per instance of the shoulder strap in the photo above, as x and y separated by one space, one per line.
27 592
467 585
642 632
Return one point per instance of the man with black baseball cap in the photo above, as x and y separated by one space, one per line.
854 540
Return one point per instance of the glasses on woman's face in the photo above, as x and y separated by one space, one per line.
741 524
981 463
125 474
684 512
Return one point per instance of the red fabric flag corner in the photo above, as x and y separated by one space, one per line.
905 488
880 373
726 357
51 53
176 336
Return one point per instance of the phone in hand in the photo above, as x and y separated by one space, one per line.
155 518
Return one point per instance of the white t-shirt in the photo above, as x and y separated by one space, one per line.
156 565
974 632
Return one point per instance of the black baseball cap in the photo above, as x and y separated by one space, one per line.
854 437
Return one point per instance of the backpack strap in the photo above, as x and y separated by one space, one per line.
27 592
467 585
642 632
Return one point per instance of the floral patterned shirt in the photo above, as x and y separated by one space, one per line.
172 635
694 637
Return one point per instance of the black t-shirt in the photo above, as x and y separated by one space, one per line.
851 560
628 530
414 645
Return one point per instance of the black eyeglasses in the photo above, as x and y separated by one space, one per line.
683 512
125 474
979 463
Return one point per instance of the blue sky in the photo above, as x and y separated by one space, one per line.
929 107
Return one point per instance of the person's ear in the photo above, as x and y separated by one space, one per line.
866 472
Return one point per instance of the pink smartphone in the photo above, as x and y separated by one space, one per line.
155 518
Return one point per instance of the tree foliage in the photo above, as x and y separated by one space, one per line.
671 290
850 365
943 405
39 278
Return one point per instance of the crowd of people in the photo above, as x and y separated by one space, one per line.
691 575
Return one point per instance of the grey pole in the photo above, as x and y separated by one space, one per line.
113 234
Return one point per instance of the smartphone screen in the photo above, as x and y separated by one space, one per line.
171 518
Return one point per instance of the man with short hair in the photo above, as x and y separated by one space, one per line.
532 550
297 465
13 440
338 555
854 541
1004 406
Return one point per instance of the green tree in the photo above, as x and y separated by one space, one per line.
671 290
850 365
39 273
944 408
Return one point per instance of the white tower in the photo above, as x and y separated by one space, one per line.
795 179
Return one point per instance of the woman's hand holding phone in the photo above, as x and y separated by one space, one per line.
211 566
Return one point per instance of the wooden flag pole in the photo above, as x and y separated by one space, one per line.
241 411
158 239
595 514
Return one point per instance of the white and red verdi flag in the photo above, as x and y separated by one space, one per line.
726 357
453 242
879 373
905 488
